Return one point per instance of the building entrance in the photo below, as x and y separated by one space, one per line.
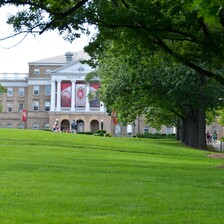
80 126
65 125
94 125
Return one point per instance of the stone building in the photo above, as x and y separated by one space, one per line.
54 89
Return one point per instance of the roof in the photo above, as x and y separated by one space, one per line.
61 59
13 76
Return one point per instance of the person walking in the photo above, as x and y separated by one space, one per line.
214 136
208 137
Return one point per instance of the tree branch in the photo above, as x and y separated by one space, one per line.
183 60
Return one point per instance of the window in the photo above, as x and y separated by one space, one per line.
48 71
36 90
21 107
46 126
129 129
47 106
9 125
47 90
35 126
9 107
36 106
21 92
9 91
36 71
146 130
168 130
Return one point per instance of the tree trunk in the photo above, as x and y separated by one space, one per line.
178 127
195 129
201 130
192 130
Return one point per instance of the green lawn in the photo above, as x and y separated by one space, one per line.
61 178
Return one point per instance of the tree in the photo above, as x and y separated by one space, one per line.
211 11
135 82
2 90
166 25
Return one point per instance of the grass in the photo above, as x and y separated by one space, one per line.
60 178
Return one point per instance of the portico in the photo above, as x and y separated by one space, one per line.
69 92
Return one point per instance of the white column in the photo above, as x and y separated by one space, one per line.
87 98
73 96
58 96
52 95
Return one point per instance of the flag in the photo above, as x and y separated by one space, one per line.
24 115
114 117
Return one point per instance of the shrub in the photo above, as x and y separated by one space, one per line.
86 133
99 134
155 135
108 135
102 131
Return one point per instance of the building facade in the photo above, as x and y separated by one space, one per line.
53 89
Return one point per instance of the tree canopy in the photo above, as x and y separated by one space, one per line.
166 25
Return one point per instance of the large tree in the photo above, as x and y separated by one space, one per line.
167 25
137 82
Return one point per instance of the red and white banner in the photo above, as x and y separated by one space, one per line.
80 95
24 115
66 90
93 88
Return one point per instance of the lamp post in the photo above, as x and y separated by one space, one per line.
101 124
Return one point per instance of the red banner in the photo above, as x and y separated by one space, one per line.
24 115
80 95
95 101
66 94
114 117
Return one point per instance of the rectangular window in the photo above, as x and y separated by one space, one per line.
47 90
21 107
21 92
35 126
9 107
36 71
48 71
36 106
36 90
168 130
47 106
9 91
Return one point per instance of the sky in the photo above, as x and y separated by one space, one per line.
14 57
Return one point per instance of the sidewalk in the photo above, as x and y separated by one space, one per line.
217 145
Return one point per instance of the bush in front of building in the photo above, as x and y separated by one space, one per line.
108 135
155 135
99 134
85 133
102 131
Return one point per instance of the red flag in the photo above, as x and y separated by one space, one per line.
24 115
114 116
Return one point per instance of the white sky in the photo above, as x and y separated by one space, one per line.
15 59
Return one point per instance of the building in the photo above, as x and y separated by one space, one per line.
53 89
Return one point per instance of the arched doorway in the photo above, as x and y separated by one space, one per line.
129 129
65 125
94 126
80 126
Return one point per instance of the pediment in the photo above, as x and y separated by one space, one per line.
75 67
